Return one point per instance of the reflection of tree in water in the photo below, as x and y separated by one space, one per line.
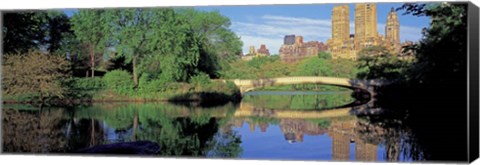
420 135
179 130
397 137
226 144
84 133
301 102
33 131
184 137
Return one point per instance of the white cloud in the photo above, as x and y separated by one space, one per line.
297 20
273 28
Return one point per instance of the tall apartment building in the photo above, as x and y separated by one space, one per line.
341 45
341 22
392 30
346 45
366 33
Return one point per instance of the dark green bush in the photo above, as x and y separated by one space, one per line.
89 83
119 81
201 81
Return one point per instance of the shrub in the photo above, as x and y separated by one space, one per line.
89 83
144 80
119 81
34 74
201 81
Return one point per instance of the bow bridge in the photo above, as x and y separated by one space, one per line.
366 85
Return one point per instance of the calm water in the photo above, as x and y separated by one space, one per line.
265 125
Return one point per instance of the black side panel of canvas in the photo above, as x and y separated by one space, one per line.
474 83
1 101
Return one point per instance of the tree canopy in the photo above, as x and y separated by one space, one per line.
34 30
36 74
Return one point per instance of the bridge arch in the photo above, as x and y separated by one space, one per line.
246 85
368 86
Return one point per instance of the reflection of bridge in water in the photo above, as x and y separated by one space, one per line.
248 110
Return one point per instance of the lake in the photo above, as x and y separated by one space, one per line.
274 125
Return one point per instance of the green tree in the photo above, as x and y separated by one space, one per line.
374 51
57 27
314 67
441 54
22 31
119 81
34 30
217 43
90 29
377 62
344 68
155 41
36 74
324 55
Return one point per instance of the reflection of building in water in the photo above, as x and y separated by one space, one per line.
365 151
251 125
263 127
294 129
341 132
340 146
345 132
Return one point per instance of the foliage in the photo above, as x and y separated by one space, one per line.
119 81
34 30
34 73
301 101
272 66
344 68
313 67
258 67
201 80
217 43
442 53
258 62
90 30
57 28
22 31
95 83
377 63
324 55
158 40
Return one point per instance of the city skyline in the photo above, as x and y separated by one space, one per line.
268 24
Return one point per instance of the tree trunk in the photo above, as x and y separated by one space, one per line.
135 126
92 58
134 69
92 133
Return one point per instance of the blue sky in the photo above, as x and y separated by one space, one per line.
268 24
